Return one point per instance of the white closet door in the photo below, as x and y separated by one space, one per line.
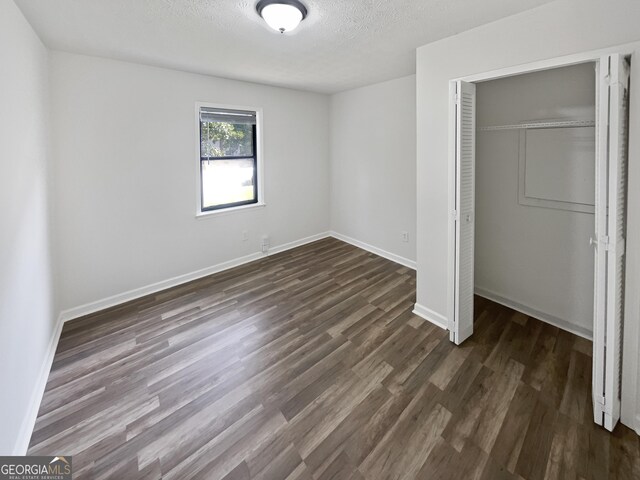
611 165
465 139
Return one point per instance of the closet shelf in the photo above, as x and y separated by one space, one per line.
557 124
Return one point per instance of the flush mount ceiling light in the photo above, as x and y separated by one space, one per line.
282 15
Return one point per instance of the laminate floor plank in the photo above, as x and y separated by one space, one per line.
310 365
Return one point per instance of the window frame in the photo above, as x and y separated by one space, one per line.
258 157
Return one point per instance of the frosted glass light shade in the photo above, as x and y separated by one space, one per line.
282 17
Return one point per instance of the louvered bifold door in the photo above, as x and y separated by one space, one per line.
464 214
611 179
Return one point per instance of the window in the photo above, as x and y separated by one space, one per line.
228 158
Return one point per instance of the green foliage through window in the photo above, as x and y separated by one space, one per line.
222 139
228 158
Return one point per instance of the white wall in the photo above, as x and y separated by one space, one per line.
373 182
126 174
27 318
560 28
535 256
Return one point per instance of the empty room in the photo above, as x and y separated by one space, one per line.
314 240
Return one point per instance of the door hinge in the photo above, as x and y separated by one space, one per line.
457 97
601 400
456 216
602 241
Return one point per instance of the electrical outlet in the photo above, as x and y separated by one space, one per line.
265 244
404 236
245 235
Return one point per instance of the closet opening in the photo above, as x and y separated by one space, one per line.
535 194
538 194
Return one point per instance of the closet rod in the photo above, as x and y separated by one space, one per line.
558 124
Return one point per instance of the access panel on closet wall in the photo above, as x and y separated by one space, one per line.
556 168
535 193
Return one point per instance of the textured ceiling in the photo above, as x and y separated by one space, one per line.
342 44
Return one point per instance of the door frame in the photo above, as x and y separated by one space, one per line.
630 403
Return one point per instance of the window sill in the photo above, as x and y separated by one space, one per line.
227 211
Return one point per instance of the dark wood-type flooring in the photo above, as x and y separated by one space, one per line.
309 364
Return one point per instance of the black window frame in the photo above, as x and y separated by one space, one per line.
253 157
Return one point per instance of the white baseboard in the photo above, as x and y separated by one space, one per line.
431 316
136 293
532 312
378 251
298 243
26 429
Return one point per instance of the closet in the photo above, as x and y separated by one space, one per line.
535 194
538 192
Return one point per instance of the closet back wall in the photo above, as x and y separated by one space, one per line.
126 175
538 257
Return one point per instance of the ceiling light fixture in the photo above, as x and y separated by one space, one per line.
282 15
